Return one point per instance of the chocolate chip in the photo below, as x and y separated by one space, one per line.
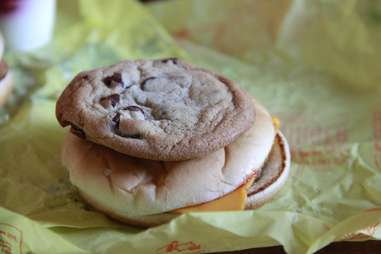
143 83
171 59
113 80
77 131
116 120
134 108
112 100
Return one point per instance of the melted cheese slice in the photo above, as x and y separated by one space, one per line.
276 122
234 201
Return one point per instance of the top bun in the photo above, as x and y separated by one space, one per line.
131 187
156 109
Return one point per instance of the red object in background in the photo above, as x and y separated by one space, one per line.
8 6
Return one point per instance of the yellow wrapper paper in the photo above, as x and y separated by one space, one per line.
330 114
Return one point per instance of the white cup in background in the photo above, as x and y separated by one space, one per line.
27 24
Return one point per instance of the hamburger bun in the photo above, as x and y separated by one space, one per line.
145 193
273 177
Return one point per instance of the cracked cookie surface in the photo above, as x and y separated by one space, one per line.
160 109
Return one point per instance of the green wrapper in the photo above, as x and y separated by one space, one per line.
330 113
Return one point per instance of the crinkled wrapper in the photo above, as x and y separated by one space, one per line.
313 64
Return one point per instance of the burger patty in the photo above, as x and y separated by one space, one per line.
271 170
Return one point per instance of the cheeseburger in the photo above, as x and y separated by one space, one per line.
150 140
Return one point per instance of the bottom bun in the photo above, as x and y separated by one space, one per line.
141 221
6 85
274 174
273 177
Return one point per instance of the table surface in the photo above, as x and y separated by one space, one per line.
368 247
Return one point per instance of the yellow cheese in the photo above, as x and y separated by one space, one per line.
276 122
233 201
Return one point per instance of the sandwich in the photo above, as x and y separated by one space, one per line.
150 140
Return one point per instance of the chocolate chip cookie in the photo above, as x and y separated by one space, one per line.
155 109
